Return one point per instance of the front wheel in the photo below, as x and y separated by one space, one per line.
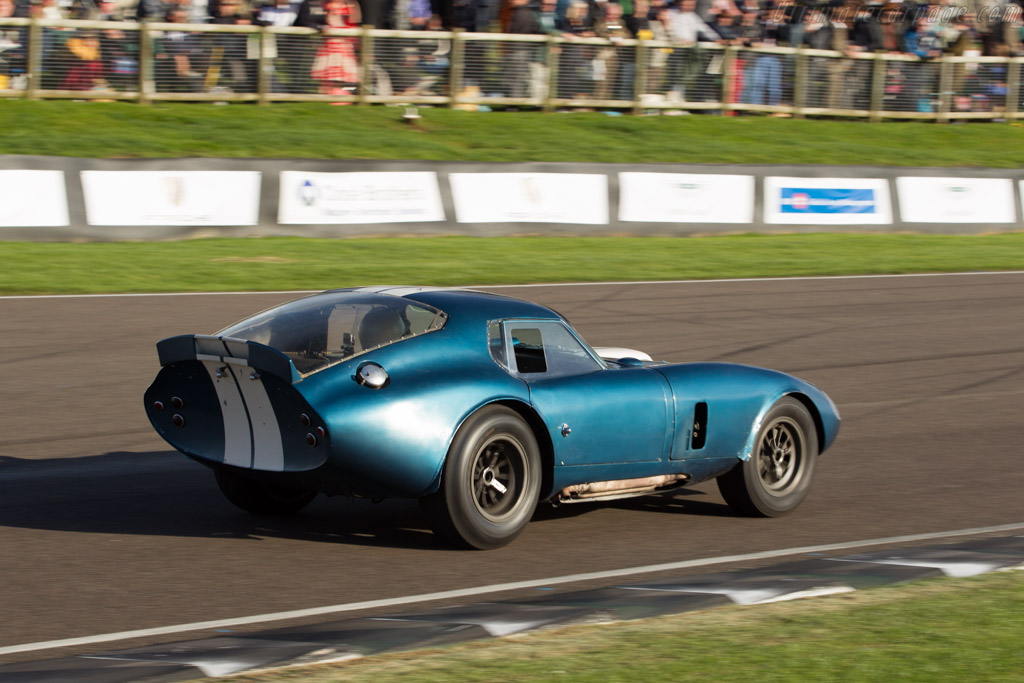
777 477
262 497
491 481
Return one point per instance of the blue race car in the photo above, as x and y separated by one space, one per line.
479 405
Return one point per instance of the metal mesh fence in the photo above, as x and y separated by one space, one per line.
101 60
576 71
763 78
417 67
838 83
13 57
504 69
695 74
911 87
183 63
979 87
291 60
483 73
1020 79
312 63
87 59
231 63
656 60
619 71
822 79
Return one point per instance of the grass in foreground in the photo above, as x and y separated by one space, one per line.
297 263
94 129
939 630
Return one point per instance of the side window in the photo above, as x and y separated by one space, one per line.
549 349
528 346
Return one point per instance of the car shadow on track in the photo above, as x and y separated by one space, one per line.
161 493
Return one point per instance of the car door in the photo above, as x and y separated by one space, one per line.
593 413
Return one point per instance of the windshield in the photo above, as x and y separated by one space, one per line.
328 328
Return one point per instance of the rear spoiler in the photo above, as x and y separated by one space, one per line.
227 350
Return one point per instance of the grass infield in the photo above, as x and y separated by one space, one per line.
111 129
297 263
937 630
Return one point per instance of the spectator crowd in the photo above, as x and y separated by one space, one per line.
191 62
925 29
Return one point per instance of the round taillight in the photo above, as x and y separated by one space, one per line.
158 405
304 419
311 439
177 402
178 421
321 432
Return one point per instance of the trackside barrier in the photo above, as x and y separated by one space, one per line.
148 62
58 198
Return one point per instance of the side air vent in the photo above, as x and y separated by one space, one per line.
700 426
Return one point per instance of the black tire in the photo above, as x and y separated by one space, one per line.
778 475
262 497
490 483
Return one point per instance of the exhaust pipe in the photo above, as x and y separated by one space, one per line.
620 488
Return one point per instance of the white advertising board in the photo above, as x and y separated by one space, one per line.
530 198
827 201
187 198
33 199
359 198
956 200
686 198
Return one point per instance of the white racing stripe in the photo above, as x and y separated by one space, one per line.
492 589
268 450
237 437
253 440
300 292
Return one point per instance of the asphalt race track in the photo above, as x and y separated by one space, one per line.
103 528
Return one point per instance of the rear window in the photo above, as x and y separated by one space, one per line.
325 329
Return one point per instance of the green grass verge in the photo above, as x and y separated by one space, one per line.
939 630
297 263
94 129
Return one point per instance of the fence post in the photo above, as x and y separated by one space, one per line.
945 89
728 78
265 67
553 49
458 66
1013 67
877 87
366 59
639 75
34 67
145 63
800 84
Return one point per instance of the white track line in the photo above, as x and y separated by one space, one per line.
496 588
539 284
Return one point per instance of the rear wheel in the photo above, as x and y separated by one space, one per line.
262 497
778 475
491 481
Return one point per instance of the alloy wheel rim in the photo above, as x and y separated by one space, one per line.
780 455
497 475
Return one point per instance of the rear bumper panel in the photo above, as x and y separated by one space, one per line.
234 414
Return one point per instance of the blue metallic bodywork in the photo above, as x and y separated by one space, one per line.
627 419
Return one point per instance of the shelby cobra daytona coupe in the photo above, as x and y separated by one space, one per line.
478 405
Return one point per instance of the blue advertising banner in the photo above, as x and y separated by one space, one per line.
827 200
